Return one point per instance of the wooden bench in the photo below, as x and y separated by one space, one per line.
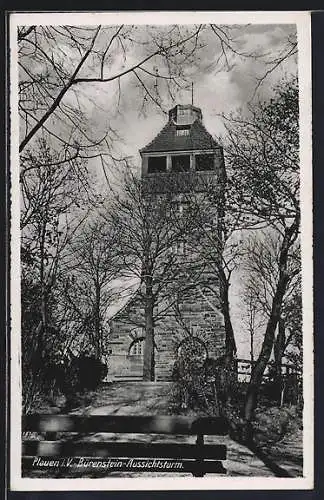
196 458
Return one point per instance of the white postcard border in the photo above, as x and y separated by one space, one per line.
302 20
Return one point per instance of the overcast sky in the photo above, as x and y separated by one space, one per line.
217 89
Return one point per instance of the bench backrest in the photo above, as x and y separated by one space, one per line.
192 455
124 423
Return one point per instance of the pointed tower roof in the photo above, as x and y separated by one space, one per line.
182 117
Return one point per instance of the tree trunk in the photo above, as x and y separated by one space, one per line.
252 312
97 333
290 236
230 344
252 345
43 304
261 363
278 351
148 362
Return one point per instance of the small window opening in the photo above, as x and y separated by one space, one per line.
184 112
204 162
181 163
156 164
183 131
137 347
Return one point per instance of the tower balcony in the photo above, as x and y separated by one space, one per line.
179 182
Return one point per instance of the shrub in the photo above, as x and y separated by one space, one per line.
87 372
271 424
207 386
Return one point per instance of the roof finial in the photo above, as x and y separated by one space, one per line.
192 90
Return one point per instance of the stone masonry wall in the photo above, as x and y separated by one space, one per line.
199 318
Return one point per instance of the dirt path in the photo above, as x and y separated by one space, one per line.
130 398
151 398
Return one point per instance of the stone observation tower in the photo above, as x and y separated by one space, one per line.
183 158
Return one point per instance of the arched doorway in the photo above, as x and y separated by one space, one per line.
135 356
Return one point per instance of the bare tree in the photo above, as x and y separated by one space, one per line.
58 62
49 194
219 251
261 277
50 216
88 283
252 316
222 254
156 250
264 160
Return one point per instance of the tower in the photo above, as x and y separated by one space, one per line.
182 159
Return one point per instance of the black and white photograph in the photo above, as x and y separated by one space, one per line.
161 251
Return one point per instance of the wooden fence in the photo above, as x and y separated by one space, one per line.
290 383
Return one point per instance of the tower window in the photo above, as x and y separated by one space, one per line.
184 112
183 131
181 163
204 162
156 164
